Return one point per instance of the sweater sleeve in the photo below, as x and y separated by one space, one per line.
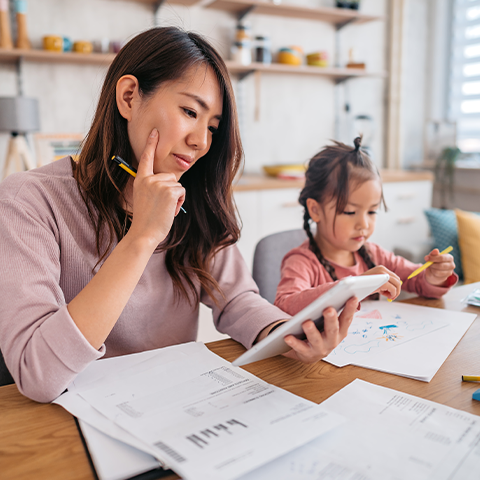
403 268
298 286
241 313
42 346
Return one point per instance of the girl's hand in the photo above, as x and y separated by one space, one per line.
443 266
392 288
157 198
319 344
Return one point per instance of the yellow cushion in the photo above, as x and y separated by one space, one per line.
469 242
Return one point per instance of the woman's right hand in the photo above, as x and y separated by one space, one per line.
157 197
392 288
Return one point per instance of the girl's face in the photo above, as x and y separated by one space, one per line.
353 226
186 113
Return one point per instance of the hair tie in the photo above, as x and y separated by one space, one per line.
357 142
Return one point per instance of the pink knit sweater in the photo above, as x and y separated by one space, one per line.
304 278
47 252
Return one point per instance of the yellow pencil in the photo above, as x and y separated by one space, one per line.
426 265
470 378
123 164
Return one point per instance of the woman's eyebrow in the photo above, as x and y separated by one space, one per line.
201 102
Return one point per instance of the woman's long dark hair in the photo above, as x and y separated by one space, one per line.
330 175
156 56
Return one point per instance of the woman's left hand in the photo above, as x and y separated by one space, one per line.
319 344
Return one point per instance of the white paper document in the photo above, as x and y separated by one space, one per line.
113 459
380 326
389 435
420 357
197 413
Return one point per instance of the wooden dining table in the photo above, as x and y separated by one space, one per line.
42 441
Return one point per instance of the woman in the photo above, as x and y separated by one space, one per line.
100 264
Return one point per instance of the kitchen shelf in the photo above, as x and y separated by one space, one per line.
44 56
157 3
336 16
331 72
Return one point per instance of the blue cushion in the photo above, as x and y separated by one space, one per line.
443 226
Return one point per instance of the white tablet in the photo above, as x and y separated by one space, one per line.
336 297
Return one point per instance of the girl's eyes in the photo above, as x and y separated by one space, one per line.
213 130
372 212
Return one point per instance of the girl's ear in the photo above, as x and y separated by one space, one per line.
313 209
126 94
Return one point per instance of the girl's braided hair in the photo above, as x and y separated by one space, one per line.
330 175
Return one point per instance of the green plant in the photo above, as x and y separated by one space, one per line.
445 173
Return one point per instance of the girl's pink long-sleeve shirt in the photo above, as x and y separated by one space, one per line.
47 253
304 278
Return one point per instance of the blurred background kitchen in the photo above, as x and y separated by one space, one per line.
404 73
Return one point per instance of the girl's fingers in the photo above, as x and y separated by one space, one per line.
390 290
145 165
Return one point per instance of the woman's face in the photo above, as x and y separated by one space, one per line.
186 113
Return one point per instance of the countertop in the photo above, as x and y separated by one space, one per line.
263 182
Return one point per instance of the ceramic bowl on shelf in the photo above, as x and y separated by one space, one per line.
317 59
290 170
290 56
82 47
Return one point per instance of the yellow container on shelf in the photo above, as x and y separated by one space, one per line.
290 56
297 169
53 43
318 59
83 47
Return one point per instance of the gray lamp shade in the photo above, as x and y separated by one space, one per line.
19 114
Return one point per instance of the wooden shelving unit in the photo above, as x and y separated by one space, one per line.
43 56
336 16
331 72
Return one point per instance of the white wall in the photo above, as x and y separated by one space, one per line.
297 113
426 47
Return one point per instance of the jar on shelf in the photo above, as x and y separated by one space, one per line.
242 32
241 52
262 51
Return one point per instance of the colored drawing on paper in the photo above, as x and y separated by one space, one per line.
396 324
362 348
421 326
388 335
386 328
373 314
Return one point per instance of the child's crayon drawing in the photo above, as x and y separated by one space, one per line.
377 327
371 314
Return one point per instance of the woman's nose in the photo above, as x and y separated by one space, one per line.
198 138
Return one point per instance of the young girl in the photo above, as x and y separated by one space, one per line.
98 263
341 196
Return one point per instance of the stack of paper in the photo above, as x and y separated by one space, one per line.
389 435
192 411
402 339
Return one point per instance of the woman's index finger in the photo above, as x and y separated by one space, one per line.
145 165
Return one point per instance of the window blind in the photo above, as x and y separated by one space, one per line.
464 98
